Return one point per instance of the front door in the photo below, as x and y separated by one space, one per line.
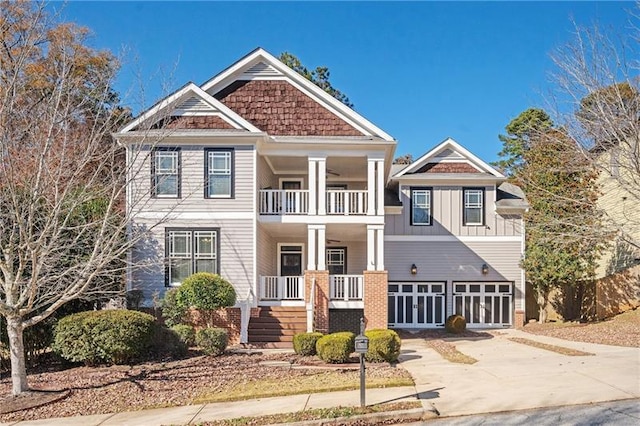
292 198
416 305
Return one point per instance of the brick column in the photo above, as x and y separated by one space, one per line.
375 299
518 319
321 308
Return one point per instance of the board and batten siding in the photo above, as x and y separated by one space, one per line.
235 256
447 217
192 182
456 261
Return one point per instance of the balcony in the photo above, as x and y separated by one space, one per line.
281 202
346 291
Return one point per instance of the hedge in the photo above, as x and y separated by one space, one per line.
336 348
384 345
305 343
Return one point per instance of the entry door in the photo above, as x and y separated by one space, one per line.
416 305
483 304
292 199
290 264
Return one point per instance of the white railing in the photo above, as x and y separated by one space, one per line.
281 288
346 202
346 287
284 201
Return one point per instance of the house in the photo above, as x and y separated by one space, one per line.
262 177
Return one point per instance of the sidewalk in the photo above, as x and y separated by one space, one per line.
508 376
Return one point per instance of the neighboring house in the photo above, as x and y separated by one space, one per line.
262 177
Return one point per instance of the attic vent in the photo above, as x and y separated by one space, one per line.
195 104
448 153
260 70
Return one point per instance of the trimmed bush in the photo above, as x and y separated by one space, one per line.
167 343
186 333
109 336
172 312
336 348
455 324
384 346
205 291
305 343
212 341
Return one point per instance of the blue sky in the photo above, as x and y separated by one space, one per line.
422 71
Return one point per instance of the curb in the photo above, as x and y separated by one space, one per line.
416 414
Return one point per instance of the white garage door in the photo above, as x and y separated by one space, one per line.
416 305
484 304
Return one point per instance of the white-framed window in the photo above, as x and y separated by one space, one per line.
421 206
337 260
189 251
473 206
165 172
219 173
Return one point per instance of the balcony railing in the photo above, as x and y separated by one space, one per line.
273 288
284 201
346 288
296 202
342 201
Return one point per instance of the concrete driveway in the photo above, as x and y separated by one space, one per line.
514 376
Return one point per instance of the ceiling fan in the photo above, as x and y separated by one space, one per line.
332 172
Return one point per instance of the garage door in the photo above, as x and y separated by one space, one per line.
484 304
416 305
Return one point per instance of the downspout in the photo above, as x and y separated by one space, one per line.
245 316
311 306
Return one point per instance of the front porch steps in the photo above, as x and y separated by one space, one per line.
276 325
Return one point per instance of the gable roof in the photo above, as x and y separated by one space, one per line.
451 153
191 100
260 65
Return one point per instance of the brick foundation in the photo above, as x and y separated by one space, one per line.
345 320
375 299
321 309
518 319
227 318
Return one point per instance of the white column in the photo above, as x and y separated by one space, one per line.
371 248
380 187
322 256
322 186
311 248
371 186
312 187
380 249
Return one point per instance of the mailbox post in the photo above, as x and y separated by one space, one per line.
362 346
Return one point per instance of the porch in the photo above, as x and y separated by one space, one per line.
345 291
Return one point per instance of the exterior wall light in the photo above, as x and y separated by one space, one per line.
485 269
414 269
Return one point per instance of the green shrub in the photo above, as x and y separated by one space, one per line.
167 343
455 324
205 291
109 336
172 312
336 348
305 343
384 346
186 333
212 341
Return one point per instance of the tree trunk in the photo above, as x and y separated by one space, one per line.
543 300
16 346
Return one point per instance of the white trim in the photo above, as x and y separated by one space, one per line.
452 238
333 105
341 304
301 245
325 219
281 303
254 224
450 143
294 179
195 215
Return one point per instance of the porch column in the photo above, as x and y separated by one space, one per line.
312 187
322 186
311 248
371 186
376 304
371 248
322 258
380 187
380 248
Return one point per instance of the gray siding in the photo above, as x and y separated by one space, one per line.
236 255
456 261
446 209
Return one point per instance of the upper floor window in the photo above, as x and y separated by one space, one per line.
189 251
165 171
421 206
473 206
219 173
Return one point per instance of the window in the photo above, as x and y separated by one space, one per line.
473 202
219 173
336 261
421 206
189 251
165 172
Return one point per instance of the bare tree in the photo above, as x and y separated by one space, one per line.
599 106
65 220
